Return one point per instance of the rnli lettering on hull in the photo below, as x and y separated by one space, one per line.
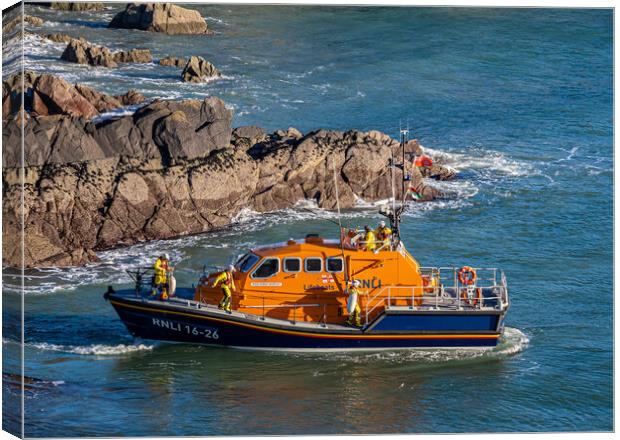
374 283
207 332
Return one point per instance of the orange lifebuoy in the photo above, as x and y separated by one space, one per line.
471 301
467 275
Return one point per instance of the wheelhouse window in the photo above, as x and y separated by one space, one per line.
246 262
334 264
292 264
268 268
313 265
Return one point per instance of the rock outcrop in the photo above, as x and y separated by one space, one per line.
12 24
77 207
172 168
77 6
199 70
160 17
51 95
133 56
169 131
82 52
172 61
59 38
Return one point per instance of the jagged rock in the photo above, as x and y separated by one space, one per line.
413 147
132 97
247 136
34 21
198 70
133 56
60 38
82 52
168 170
77 6
160 17
52 95
439 172
12 92
100 101
172 61
105 103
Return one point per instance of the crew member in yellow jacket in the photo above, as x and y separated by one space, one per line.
228 286
160 280
369 239
384 236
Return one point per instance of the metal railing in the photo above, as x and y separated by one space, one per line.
144 279
448 293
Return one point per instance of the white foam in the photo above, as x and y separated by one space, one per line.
216 20
118 112
95 349
512 342
492 163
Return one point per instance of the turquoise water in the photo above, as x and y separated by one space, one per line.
519 101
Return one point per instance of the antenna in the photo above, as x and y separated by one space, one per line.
404 134
346 275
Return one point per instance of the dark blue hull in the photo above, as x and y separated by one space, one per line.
173 322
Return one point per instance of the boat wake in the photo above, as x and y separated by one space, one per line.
513 342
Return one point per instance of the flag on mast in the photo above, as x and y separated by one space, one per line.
413 192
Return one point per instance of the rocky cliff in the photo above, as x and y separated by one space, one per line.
170 169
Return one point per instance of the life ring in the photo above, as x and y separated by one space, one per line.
467 275
471 300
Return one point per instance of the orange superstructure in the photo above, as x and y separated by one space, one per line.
306 280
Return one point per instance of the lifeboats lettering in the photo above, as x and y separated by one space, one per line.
207 332
319 287
266 284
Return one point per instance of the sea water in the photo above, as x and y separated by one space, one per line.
519 101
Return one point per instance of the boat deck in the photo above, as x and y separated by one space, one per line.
430 305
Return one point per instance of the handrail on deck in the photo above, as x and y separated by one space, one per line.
449 288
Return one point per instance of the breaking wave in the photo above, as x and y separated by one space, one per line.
488 164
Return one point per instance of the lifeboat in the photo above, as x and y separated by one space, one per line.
293 296
297 295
